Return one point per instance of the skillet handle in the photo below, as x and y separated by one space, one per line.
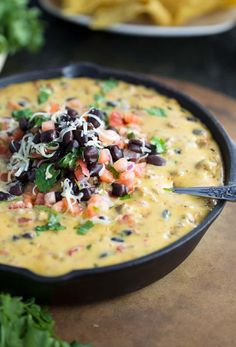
233 164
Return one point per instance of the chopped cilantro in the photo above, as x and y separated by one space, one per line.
53 224
82 229
44 94
39 119
168 189
108 85
25 324
156 111
22 113
131 135
43 184
125 197
113 171
69 160
159 143
99 98
45 209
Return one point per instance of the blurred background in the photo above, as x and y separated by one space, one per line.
206 60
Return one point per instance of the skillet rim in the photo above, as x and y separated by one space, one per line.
88 70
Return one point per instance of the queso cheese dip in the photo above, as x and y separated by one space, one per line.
87 167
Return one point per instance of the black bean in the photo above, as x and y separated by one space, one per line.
94 169
28 236
91 155
23 177
67 138
37 138
14 146
191 119
119 189
15 238
4 196
78 136
198 132
166 214
127 232
178 150
103 255
31 175
48 136
117 239
23 103
16 189
116 152
24 124
135 145
71 146
58 196
87 193
111 103
152 147
57 154
71 112
97 113
155 160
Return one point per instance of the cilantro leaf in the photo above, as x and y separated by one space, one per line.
25 324
44 94
156 111
22 113
108 85
115 173
82 229
125 197
171 190
159 143
20 26
39 119
69 160
53 224
43 184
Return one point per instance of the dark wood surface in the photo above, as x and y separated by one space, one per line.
193 306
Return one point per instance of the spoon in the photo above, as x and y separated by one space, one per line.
227 193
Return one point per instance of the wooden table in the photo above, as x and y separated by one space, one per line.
193 306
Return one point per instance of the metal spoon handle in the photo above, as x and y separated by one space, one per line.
227 193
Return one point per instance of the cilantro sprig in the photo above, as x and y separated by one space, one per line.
44 184
82 229
20 26
156 112
160 144
53 224
108 85
44 94
25 324
22 113
69 160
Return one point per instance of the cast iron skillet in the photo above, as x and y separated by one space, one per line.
109 281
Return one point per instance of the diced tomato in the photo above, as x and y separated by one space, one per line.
48 125
75 209
50 198
23 220
115 119
40 199
17 134
105 156
139 169
4 176
59 206
106 176
82 167
131 118
73 250
54 107
127 178
12 105
19 204
120 249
